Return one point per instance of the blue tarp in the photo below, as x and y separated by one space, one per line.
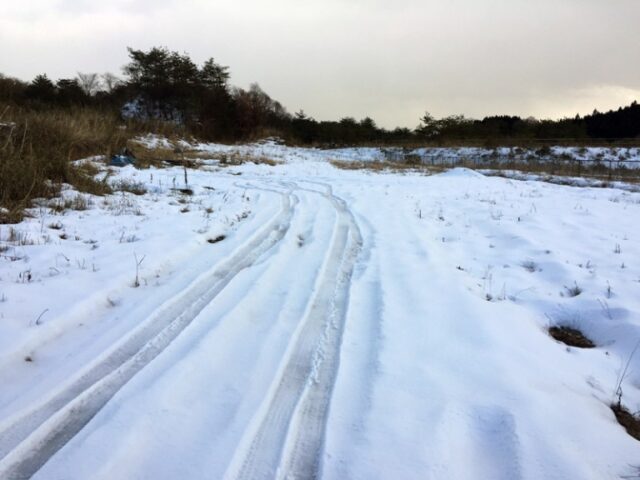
122 160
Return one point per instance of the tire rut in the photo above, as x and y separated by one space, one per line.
26 443
288 434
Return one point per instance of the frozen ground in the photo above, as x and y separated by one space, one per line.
300 321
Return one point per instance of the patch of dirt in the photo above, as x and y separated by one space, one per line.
571 336
628 420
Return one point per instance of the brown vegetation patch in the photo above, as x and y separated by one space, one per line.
371 166
628 420
571 336
150 157
390 166
230 159
240 158
184 191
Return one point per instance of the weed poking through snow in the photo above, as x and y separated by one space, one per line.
136 283
572 291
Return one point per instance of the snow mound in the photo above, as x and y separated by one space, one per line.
461 172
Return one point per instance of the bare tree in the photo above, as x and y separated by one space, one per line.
110 81
89 82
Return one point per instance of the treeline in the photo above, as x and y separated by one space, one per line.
622 123
168 86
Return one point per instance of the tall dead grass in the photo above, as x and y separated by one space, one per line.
38 147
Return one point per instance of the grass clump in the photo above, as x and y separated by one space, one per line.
137 188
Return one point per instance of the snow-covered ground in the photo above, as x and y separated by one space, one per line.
301 321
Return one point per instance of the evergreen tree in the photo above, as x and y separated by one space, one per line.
214 76
69 92
41 89
428 127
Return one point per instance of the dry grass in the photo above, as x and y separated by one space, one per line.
131 186
387 166
371 166
230 159
38 147
564 168
530 143
152 157
355 165
534 164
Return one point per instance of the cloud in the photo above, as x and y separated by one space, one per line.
390 60
130 6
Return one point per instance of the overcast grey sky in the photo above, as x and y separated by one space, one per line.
391 60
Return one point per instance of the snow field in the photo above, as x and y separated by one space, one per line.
350 325
436 408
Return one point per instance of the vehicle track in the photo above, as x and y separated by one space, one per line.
28 441
287 435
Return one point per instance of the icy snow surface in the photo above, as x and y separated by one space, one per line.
301 321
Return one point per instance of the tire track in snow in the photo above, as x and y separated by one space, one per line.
257 342
288 434
364 344
26 443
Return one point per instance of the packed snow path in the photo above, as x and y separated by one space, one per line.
353 325
296 410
